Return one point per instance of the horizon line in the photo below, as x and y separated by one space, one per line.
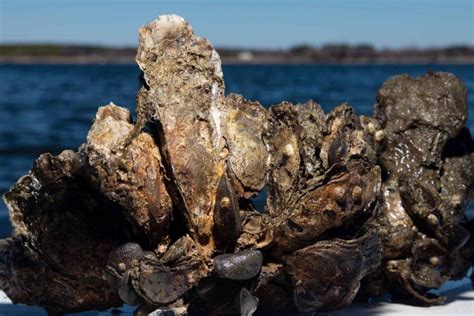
243 47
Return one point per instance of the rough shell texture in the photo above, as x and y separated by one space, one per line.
328 273
132 177
160 284
243 124
311 194
63 234
183 91
429 161
436 100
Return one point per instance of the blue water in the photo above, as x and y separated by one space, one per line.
50 108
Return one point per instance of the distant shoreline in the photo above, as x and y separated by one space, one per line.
88 60
325 55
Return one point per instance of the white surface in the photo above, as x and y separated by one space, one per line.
4 298
460 302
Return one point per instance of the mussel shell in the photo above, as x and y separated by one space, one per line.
124 254
243 265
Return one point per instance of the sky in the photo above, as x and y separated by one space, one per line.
245 23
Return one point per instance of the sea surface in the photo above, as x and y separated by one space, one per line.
46 108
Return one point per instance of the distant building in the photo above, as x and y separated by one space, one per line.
245 56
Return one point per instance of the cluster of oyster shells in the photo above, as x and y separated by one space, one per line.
162 217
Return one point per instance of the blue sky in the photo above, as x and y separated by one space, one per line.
245 23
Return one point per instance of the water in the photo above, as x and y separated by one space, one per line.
50 108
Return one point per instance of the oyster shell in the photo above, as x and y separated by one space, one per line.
182 94
133 178
425 194
323 173
328 273
63 233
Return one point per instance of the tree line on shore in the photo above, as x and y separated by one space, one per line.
329 53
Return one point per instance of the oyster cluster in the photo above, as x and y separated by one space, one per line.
159 214
428 161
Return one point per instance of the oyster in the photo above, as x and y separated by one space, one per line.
328 273
429 160
133 178
63 233
323 173
243 125
182 94
141 278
